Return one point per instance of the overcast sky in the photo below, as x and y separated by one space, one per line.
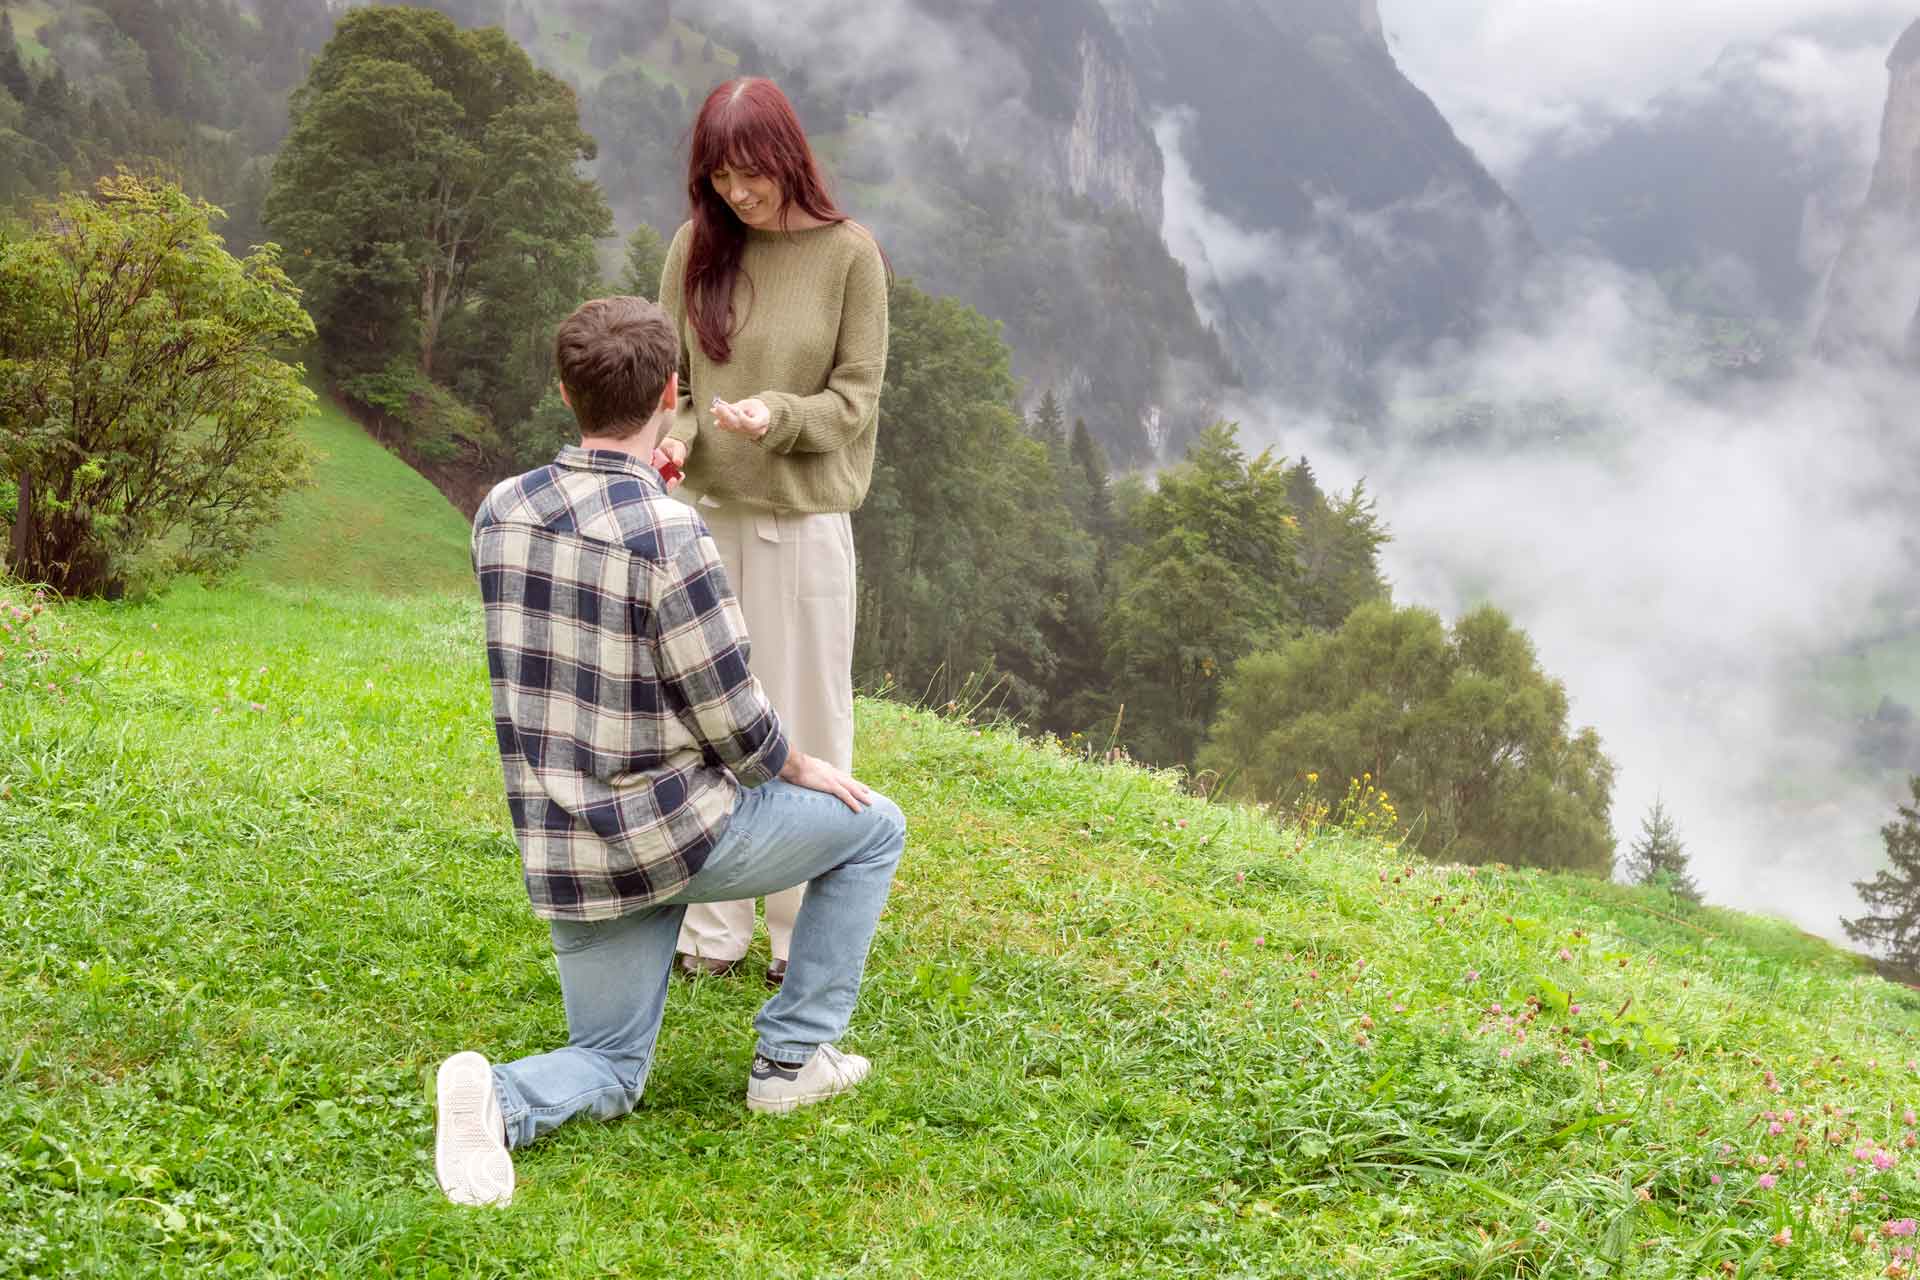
1508 72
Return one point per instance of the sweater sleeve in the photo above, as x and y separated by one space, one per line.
673 300
833 418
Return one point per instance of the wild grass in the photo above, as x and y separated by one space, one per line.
367 523
258 882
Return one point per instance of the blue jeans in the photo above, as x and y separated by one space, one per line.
613 973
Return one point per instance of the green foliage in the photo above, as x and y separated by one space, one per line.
189 88
641 124
422 418
259 881
1463 729
964 530
1339 550
1049 424
1093 487
429 201
646 263
1657 857
148 412
1892 925
538 437
1209 574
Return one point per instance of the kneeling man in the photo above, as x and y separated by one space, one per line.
645 770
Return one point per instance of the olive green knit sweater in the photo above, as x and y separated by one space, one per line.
810 339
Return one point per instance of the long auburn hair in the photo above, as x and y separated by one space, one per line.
746 123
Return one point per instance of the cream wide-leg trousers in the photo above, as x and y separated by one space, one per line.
794 575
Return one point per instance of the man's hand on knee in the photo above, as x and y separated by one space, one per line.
815 774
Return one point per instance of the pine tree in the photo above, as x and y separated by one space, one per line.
1894 894
646 259
13 71
1658 856
1048 424
1087 454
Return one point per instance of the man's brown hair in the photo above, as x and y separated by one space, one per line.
615 356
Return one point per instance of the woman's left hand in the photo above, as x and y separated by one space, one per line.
749 418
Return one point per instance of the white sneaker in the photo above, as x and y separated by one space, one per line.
775 1090
470 1135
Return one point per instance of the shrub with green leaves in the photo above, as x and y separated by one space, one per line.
149 417
1461 726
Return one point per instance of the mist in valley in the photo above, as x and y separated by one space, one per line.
1713 543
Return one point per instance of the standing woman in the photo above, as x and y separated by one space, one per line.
781 305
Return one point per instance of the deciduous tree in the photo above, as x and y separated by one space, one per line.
421 155
1463 729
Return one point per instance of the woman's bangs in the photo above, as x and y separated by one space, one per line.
750 146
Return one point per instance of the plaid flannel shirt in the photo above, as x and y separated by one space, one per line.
626 714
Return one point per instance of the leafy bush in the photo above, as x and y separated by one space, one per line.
150 418
424 419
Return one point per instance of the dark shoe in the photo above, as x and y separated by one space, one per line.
777 973
706 966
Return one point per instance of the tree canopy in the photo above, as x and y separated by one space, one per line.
1208 576
431 173
1462 728
964 528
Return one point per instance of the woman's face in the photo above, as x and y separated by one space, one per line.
753 197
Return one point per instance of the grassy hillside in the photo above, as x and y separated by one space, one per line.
564 49
368 522
29 16
258 882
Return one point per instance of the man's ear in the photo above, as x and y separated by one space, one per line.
670 398
564 398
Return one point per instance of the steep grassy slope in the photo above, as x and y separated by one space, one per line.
28 17
368 522
257 882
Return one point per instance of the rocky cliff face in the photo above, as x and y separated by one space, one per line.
1332 218
1896 179
1081 128
1873 296
1106 151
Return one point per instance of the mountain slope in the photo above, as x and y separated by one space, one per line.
1375 231
1873 297
1115 1030
1725 187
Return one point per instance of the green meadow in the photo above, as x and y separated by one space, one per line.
258 881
